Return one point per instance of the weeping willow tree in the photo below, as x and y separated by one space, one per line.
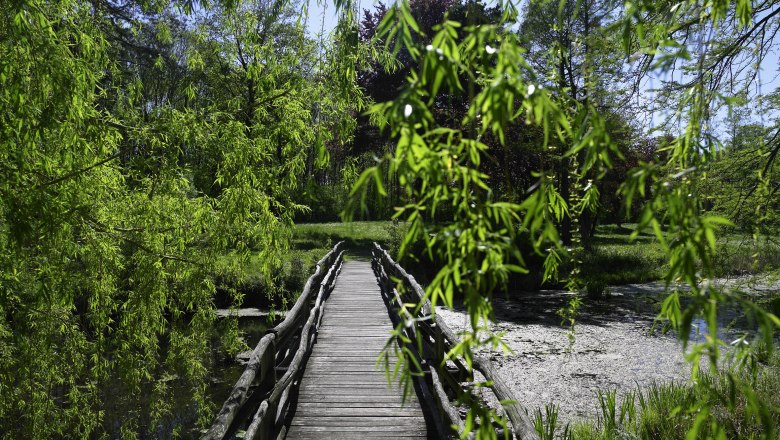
140 143
440 166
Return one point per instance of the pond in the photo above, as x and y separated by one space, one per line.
182 414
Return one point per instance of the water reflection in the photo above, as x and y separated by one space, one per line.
182 418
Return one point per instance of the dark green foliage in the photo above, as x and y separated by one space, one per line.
739 186
616 258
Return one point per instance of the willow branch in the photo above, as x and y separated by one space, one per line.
73 174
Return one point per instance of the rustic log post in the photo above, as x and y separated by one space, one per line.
268 367
262 426
441 396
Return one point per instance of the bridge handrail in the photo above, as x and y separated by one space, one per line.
262 363
272 410
442 334
427 393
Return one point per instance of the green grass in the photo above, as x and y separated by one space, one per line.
739 254
310 242
616 259
667 411
357 236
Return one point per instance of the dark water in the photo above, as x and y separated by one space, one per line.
181 419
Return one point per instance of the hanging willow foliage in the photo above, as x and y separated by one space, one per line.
440 166
141 143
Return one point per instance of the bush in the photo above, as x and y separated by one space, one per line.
396 231
740 255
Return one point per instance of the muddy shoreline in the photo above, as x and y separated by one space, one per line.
616 345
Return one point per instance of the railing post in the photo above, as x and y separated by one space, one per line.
268 367
522 425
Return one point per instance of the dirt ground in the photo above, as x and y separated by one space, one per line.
614 347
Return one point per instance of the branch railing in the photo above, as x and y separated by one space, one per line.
436 340
285 347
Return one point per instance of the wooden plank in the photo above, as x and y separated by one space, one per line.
347 369
361 339
346 360
353 436
350 358
395 422
322 425
346 406
351 398
364 431
356 356
360 431
343 392
344 389
347 435
346 356
349 331
353 432
356 377
358 412
317 382
350 345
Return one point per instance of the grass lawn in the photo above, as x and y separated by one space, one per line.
616 259
358 236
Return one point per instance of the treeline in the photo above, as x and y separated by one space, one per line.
591 74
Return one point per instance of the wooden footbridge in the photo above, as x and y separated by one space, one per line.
316 375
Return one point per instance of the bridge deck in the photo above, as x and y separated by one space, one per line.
342 394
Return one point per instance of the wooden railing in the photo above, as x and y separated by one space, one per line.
437 339
258 395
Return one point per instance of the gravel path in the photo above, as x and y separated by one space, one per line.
613 348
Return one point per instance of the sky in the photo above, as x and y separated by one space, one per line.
767 80
316 11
